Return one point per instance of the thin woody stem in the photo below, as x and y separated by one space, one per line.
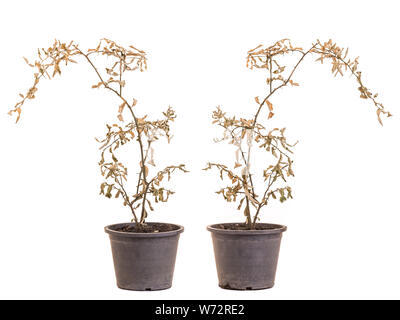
250 178
126 198
270 182
265 198
271 92
270 75
146 188
245 162
281 85
139 139
120 77
356 75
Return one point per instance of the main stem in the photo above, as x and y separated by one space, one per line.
139 139
272 90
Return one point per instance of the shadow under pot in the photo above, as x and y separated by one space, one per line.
144 261
246 259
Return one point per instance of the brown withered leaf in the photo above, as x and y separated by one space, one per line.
270 106
121 107
378 113
270 115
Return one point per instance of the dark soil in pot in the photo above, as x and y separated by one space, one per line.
246 259
148 228
144 258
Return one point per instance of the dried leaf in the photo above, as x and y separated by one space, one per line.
270 106
270 115
378 113
121 107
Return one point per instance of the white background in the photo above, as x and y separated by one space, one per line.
343 223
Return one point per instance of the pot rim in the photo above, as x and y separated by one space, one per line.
278 229
108 229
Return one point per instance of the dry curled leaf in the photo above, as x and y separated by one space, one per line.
270 106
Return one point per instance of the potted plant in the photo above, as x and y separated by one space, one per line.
246 253
144 253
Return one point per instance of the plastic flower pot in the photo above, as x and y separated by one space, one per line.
144 261
246 259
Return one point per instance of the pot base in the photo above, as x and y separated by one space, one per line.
144 289
228 287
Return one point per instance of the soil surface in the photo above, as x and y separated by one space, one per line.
243 226
149 228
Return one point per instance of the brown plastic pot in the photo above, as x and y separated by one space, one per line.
246 259
143 261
